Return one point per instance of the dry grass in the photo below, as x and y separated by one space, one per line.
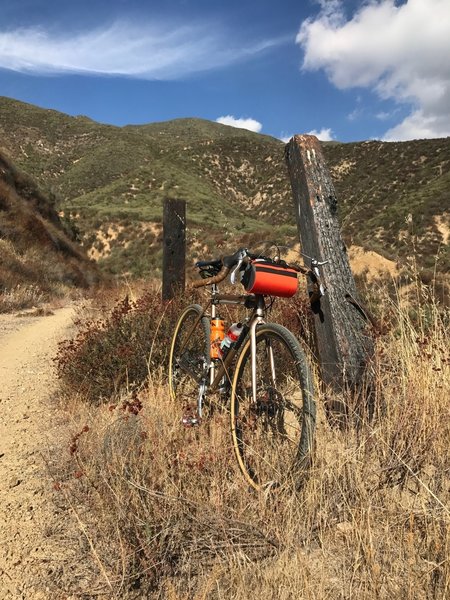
170 517
20 297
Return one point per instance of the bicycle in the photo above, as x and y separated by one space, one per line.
265 376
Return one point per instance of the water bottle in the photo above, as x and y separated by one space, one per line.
231 338
217 336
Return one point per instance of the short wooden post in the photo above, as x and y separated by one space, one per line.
174 247
344 345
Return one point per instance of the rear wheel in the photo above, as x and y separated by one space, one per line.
189 359
273 437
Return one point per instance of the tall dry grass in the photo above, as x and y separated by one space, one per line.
170 516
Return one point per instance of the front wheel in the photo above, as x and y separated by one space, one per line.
273 434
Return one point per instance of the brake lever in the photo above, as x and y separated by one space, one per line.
315 264
234 272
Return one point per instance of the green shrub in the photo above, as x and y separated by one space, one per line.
118 352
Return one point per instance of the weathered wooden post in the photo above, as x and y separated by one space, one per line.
174 247
344 346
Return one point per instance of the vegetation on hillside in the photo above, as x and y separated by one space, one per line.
398 194
40 259
392 196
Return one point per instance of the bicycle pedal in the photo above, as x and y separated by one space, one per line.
190 421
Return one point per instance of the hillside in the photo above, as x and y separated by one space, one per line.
393 196
40 260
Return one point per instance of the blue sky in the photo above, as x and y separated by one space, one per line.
347 70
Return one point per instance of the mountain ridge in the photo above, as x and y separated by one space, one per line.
392 195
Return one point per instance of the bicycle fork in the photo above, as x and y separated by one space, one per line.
257 320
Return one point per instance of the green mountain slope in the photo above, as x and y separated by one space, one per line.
113 180
39 258
395 195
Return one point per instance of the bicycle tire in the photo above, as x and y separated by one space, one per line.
273 440
189 357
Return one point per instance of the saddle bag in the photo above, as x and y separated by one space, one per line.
270 279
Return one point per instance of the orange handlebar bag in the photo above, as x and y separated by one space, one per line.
269 279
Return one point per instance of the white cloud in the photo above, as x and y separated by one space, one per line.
324 135
249 124
145 51
420 125
401 52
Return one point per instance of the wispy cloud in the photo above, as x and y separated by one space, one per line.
146 51
408 63
250 124
355 114
384 115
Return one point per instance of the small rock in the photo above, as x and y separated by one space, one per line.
14 482
344 527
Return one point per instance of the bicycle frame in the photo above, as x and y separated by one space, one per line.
216 374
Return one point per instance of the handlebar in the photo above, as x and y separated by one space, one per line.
211 280
226 263
241 256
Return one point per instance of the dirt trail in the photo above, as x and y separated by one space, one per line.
39 539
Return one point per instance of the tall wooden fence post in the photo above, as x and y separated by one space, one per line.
344 346
174 247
